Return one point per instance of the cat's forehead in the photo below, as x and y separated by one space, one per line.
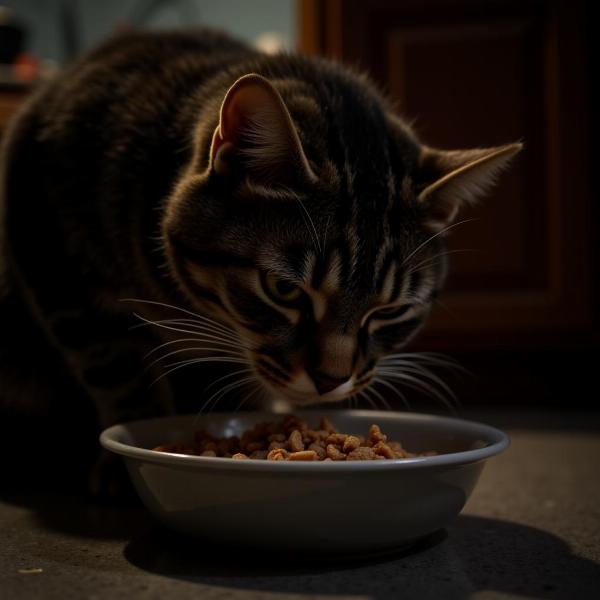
372 150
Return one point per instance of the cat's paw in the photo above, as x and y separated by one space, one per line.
109 481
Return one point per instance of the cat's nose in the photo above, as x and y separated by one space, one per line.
325 383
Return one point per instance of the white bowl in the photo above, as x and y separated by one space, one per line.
316 507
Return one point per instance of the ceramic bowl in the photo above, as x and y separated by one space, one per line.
315 507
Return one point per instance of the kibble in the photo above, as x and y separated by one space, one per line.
295 441
334 454
303 455
278 454
362 453
292 440
350 443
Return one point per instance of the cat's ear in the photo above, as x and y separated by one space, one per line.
450 179
256 136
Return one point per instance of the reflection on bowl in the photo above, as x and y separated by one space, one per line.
316 507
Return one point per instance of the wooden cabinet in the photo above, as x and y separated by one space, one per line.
477 73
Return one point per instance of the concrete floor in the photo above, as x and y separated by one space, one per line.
530 530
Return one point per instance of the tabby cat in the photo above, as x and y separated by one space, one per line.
268 213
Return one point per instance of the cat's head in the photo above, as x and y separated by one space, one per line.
312 222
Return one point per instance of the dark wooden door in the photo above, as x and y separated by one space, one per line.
521 301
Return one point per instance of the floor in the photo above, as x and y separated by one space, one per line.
530 530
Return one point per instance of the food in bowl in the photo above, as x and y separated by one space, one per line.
292 439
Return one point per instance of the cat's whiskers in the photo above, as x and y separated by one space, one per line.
163 326
425 357
363 394
223 391
431 261
420 370
193 349
411 381
213 344
314 236
164 305
221 346
217 337
431 238
352 400
192 324
193 329
191 361
394 389
188 361
415 366
404 366
180 341
227 376
428 358
183 310
209 339
384 402
258 388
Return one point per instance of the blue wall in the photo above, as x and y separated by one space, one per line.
95 19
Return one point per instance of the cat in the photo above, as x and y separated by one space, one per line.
269 213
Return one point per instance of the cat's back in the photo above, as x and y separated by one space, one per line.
120 102
168 56
102 133
160 45
131 76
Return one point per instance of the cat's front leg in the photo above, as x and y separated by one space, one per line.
107 477
108 361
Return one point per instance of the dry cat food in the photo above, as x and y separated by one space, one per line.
292 439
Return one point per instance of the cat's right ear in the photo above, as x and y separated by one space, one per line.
447 180
256 137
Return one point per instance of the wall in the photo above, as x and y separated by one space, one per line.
95 20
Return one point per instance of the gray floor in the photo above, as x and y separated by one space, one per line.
530 530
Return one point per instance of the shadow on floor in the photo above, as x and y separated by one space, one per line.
474 554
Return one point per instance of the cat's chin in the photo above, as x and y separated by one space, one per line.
293 398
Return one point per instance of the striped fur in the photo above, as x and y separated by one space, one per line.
121 181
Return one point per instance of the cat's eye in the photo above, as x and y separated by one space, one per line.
280 290
390 312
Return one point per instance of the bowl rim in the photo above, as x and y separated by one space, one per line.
497 440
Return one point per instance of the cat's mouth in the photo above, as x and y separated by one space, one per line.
300 389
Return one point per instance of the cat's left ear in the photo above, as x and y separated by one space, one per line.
256 136
450 179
